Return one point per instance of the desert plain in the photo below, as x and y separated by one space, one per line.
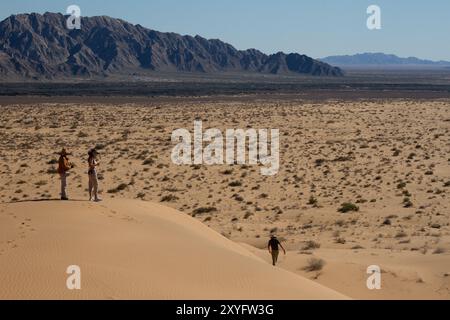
361 183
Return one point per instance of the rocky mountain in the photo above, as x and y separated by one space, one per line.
41 47
380 59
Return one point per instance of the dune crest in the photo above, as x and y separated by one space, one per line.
129 249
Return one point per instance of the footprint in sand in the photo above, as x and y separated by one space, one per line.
12 244
12 215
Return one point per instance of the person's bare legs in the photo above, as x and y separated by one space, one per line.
64 186
91 186
95 187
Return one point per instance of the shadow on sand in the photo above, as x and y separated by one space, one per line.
47 200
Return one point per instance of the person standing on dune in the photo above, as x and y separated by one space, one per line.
92 173
63 167
273 249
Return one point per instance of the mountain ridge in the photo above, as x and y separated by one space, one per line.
379 58
41 47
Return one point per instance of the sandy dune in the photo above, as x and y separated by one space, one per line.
132 249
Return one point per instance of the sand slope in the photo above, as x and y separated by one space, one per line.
405 274
131 249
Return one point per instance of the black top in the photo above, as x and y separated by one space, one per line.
273 243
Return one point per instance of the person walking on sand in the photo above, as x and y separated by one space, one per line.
92 173
273 249
63 167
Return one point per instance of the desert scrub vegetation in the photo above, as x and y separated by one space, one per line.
235 184
169 198
119 188
314 264
310 245
52 170
438 251
348 207
401 185
319 162
100 146
140 195
248 215
202 210
40 183
407 203
148 162
312 201
401 234
82 134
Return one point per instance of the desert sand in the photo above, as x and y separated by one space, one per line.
129 249
389 158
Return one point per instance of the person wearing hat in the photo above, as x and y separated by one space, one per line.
273 248
63 167
92 173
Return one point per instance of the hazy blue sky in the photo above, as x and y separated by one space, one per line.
315 27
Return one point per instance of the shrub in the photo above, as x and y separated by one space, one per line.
407 203
314 264
140 195
401 234
401 185
52 170
100 147
312 201
204 210
248 215
119 188
311 245
319 162
82 134
148 161
169 198
348 207
235 184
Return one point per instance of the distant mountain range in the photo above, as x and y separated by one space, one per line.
380 59
41 47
